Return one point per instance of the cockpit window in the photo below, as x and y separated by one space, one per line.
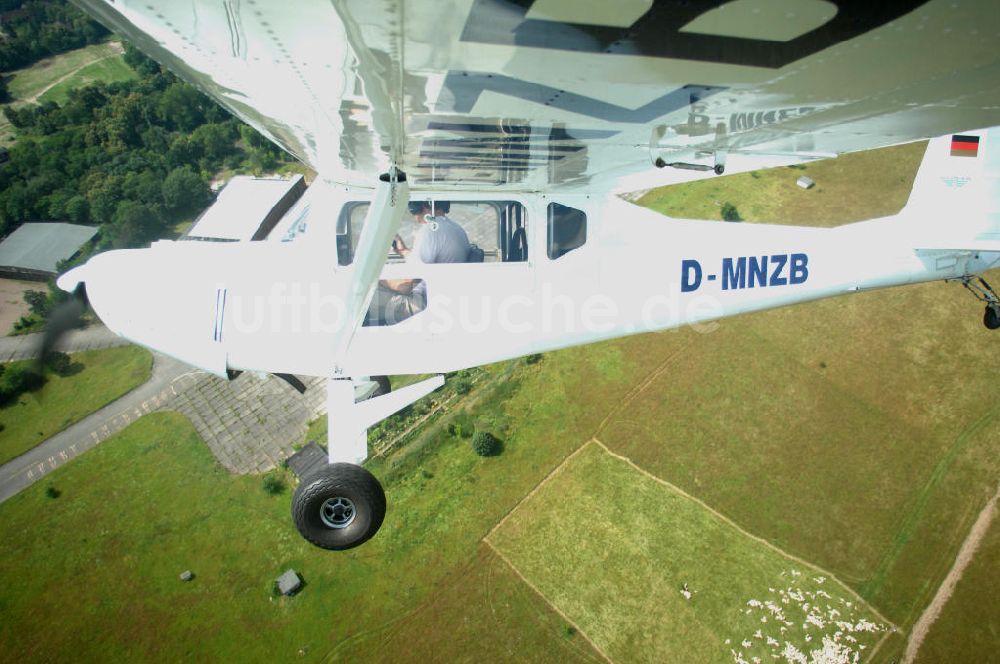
567 230
497 228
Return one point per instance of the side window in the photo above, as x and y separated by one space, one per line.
352 219
567 230
496 230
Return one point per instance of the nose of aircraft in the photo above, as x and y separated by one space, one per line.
154 302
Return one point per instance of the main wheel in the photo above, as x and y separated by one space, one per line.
339 506
990 318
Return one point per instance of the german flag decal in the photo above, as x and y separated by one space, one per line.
964 146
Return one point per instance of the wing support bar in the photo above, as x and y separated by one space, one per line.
348 422
381 225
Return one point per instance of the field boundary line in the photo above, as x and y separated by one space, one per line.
552 473
746 533
545 599
639 388
944 592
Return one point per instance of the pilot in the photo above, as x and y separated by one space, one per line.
439 239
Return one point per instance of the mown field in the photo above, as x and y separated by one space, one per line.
856 434
106 70
663 579
28 83
102 376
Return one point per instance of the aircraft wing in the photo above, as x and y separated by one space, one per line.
553 94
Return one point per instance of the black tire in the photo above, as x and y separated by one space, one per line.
991 319
384 387
338 506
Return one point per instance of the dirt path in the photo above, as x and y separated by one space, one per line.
933 610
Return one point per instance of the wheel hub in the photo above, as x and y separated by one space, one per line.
337 512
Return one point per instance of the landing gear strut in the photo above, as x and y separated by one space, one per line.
985 293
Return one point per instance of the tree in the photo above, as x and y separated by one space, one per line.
77 210
486 444
38 302
183 189
4 93
142 65
730 213
134 225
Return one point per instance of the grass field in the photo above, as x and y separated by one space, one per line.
968 630
646 543
176 509
106 375
26 84
859 186
107 70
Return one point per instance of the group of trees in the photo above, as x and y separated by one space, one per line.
40 28
132 157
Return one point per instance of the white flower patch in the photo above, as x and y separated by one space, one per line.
808 628
792 654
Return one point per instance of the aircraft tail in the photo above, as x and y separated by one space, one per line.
955 201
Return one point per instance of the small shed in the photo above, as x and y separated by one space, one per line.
289 583
34 250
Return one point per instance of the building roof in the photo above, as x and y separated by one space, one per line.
39 246
243 206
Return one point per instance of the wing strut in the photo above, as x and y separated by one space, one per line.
381 225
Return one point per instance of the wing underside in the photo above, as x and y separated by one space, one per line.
547 94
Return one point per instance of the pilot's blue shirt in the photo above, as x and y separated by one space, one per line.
440 240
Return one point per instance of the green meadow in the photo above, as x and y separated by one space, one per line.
102 376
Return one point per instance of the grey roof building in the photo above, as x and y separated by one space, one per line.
33 250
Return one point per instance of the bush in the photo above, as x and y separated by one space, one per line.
462 386
485 444
52 492
60 364
533 359
273 485
17 380
730 213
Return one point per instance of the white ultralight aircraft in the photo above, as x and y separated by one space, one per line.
524 119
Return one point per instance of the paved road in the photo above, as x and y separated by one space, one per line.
25 346
169 378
